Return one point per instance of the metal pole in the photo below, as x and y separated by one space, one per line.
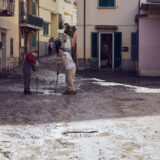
38 30
37 79
58 70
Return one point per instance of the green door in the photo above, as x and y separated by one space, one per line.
117 49
95 49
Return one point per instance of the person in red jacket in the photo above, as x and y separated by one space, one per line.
29 63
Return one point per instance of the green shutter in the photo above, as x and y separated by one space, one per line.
106 3
45 28
117 49
11 47
134 46
33 40
94 49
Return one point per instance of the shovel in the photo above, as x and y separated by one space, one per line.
58 70
37 78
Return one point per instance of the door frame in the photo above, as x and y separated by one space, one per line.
99 49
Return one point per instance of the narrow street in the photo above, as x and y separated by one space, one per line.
113 116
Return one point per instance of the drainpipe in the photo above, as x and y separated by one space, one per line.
24 18
38 30
138 36
139 6
84 32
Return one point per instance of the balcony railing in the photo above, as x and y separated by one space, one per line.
7 7
33 20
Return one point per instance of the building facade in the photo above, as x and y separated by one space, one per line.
149 38
49 12
9 34
55 14
29 26
69 12
105 30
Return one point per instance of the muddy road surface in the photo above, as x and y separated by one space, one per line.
113 116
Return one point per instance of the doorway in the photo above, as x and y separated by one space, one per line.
4 56
106 50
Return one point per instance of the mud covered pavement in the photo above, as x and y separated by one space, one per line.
113 116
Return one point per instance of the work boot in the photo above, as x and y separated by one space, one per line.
27 92
69 92
74 92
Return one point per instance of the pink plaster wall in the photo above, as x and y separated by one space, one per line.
149 44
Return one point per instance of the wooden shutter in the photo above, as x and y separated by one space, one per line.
11 46
33 40
45 28
117 49
94 49
134 46
94 42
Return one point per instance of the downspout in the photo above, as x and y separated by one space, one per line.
38 30
24 18
138 37
84 32
139 6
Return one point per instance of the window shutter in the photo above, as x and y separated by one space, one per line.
11 46
33 40
134 46
117 49
94 42
94 49
45 28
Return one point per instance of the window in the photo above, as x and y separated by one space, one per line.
60 21
45 28
33 40
34 7
11 46
106 3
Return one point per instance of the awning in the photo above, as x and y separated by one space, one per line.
150 6
29 26
106 27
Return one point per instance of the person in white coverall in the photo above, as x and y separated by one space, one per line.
70 67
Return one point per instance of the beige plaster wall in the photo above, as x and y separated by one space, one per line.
49 5
54 25
122 16
47 8
11 24
46 15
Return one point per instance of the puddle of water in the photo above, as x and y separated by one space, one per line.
48 92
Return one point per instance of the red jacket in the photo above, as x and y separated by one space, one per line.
30 57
